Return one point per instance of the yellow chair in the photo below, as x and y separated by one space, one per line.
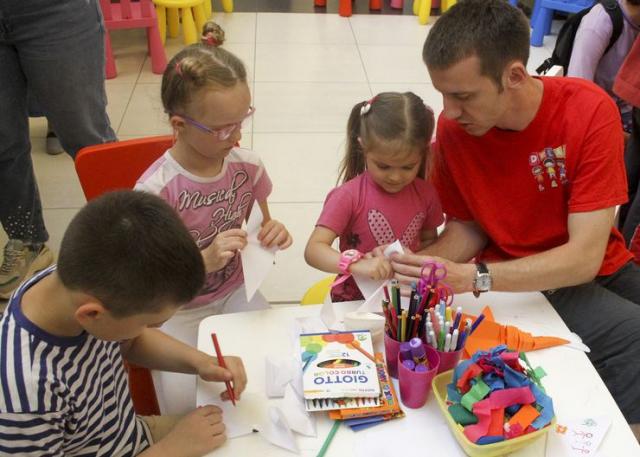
422 9
317 293
227 7
192 12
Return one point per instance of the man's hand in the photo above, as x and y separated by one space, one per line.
222 249
459 277
209 370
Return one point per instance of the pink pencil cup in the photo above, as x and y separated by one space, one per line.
391 350
448 360
415 386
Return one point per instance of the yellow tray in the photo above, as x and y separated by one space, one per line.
439 385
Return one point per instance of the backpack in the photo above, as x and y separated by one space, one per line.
564 45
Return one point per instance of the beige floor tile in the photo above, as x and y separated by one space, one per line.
303 28
386 64
238 27
309 62
302 166
305 107
57 180
118 97
291 276
57 221
145 115
370 29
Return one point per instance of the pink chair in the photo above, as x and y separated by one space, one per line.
133 15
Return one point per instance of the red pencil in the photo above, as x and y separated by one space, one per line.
223 365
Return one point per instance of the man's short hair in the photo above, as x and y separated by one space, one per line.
131 251
494 31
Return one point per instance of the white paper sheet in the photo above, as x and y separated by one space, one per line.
580 436
277 431
249 414
257 261
279 371
298 417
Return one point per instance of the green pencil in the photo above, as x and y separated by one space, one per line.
329 438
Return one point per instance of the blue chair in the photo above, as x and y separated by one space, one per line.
543 13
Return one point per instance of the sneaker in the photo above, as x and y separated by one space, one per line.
21 262
52 145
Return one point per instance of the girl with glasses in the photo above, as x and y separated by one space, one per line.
214 185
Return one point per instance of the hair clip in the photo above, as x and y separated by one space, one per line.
366 107
210 40
178 68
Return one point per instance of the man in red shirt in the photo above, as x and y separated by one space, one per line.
529 171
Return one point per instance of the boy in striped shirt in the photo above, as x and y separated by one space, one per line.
126 264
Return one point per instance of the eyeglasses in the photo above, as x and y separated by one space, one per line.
221 133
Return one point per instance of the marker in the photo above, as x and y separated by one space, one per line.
432 337
476 323
447 343
454 340
456 322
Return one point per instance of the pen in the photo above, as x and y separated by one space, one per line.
223 365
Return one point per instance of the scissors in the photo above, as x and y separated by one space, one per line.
433 280
437 272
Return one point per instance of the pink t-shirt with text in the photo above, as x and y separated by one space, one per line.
365 216
209 206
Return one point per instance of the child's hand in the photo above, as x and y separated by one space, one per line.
376 268
378 251
209 370
222 249
196 434
274 233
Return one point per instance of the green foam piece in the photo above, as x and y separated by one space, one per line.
461 415
477 393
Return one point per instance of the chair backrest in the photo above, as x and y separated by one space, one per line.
118 165
124 11
111 166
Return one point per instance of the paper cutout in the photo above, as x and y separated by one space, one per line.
297 416
582 436
490 333
257 261
277 430
524 417
371 290
355 320
475 394
279 372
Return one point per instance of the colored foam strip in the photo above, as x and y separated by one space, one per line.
475 394
524 417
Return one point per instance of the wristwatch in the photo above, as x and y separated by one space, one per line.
347 258
482 281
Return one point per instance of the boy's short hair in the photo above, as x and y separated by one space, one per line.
131 251
493 30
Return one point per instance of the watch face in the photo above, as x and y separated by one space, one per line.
483 282
350 253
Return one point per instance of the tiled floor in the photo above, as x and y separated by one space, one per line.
306 72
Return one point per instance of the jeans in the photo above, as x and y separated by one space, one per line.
55 48
605 313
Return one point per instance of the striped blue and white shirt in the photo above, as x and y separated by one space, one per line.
63 396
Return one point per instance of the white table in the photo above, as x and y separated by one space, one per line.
571 381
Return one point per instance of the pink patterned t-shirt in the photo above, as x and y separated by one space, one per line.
365 216
209 206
